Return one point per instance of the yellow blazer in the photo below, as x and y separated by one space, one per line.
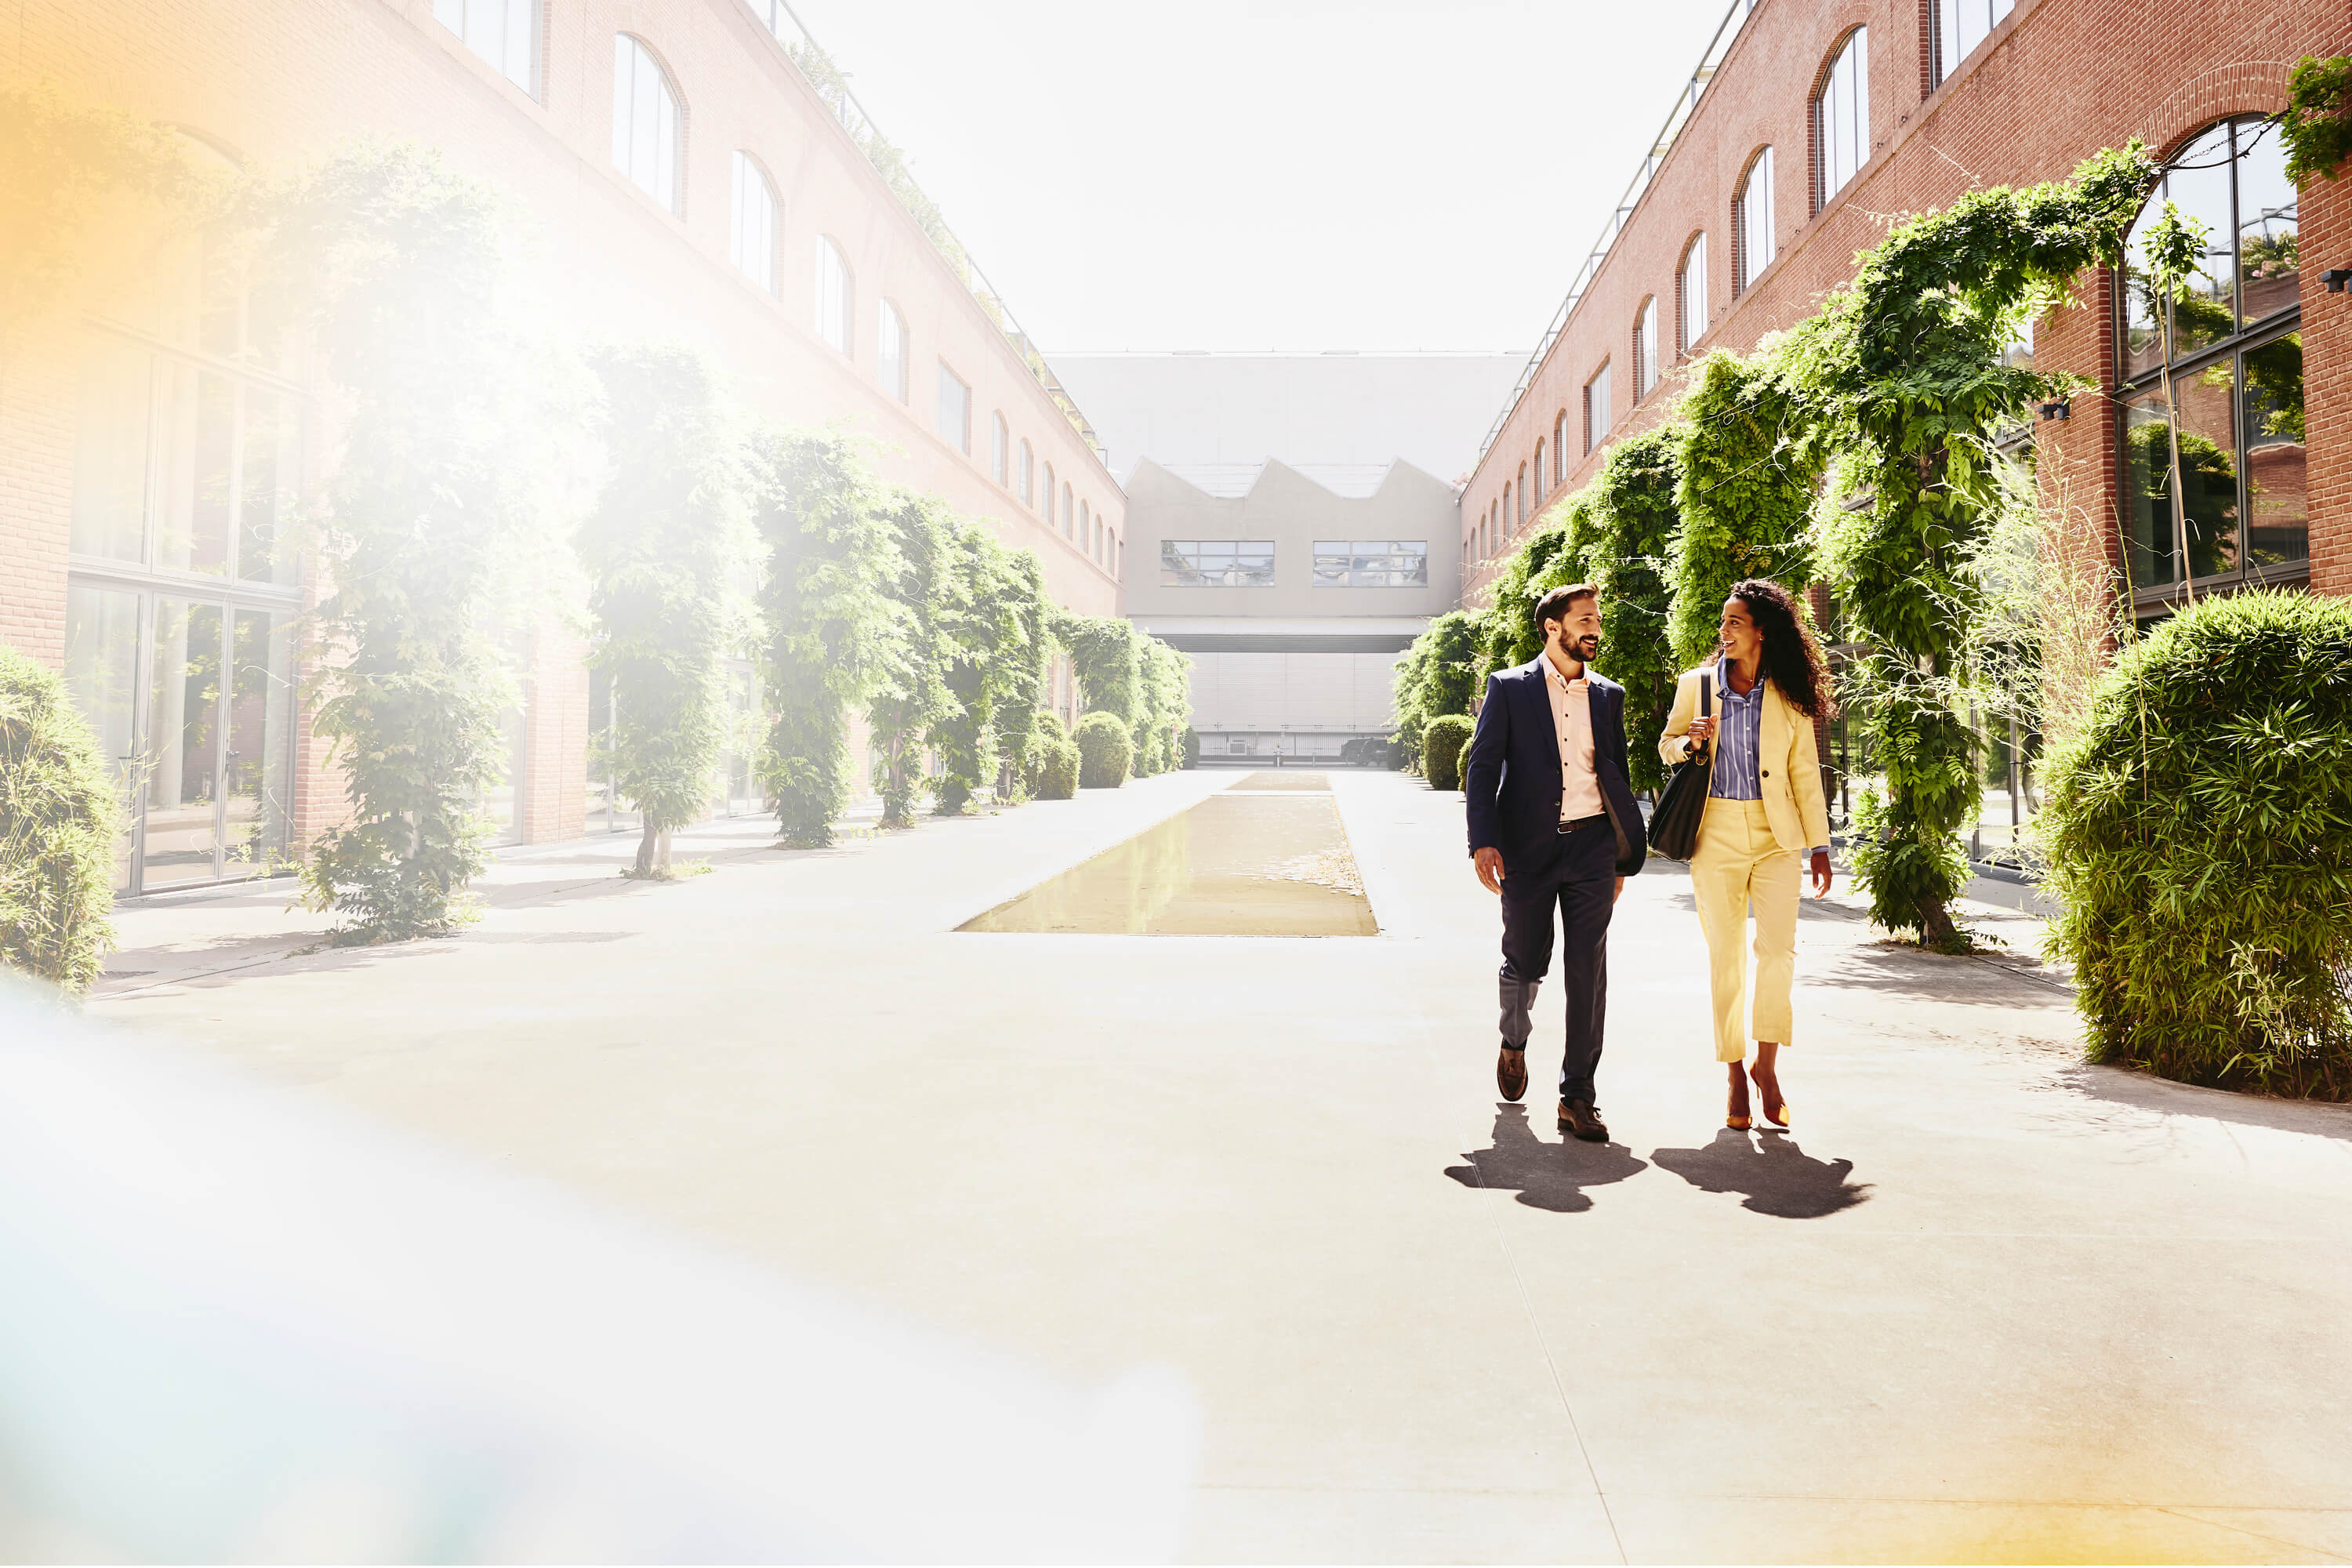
1789 763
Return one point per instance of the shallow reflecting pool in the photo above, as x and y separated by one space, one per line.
1283 778
1235 865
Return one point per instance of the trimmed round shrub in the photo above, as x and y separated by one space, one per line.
57 824
2199 835
1056 765
1444 743
1192 747
1104 751
1045 732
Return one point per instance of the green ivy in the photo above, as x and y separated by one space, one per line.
667 538
828 617
910 695
1437 674
1020 673
59 822
982 620
1751 459
2317 126
1632 512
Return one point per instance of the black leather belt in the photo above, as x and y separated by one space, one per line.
1582 822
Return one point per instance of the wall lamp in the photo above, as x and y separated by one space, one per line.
2335 278
2061 409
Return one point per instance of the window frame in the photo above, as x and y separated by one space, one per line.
893 364
1744 272
1596 431
1645 349
629 48
1690 325
1172 564
1853 47
962 439
534 46
1028 475
747 161
836 325
1000 448
1353 553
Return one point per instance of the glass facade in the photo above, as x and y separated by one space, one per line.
1371 564
2235 357
1216 564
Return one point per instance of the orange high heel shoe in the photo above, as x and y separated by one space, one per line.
1773 1099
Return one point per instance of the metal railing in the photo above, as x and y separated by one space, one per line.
1685 104
816 67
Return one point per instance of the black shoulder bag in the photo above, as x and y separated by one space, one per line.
1674 822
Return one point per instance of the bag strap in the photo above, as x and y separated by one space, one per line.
1706 700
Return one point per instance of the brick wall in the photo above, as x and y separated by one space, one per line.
2056 81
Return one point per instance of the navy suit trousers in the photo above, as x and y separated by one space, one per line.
1576 875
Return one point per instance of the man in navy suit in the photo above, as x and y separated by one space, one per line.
1552 822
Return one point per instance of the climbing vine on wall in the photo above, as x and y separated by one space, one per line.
2317 126
1750 462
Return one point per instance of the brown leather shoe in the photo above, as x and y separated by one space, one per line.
1583 1118
1511 1072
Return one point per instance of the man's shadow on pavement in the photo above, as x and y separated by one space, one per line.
1776 1176
1546 1176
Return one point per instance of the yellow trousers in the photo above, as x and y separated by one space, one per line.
1739 863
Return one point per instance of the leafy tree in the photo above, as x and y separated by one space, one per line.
1103 651
1020 672
830 624
58 819
661 547
1632 512
1052 760
396 260
911 695
2317 126
1437 674
1165 703
980 625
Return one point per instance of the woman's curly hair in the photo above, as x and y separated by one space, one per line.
1792 656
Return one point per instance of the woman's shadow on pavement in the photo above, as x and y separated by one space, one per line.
1546 1176
1777 1177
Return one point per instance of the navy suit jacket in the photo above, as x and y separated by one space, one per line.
1512 781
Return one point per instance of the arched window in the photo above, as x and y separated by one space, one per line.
1069 517
1752 240
1645 349
1959 26
1028 474
1086 520
1690 296
891 355
837 297
1560 447
1000 449
1841 119
2236 353
1519 518
1507 506
503 32
753 222
1049 495
649 125
1596 409
1540 478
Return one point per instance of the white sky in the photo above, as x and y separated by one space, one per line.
1296 175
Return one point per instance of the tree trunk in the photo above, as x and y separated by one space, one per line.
661 855
645 847
1936 927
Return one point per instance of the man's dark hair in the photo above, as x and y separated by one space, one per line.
1553 606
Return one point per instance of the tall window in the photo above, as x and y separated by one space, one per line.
1086 521
1000 449
1069 517
648 126
1049 495
2237 372
836 295
1507 506
1596 409
1539 469
1028 474
1371 564
1645 349
953 418
1560 447
1216 563
753 222
503 32
1690 297
1842 117
891 365
1961 26
1752 240
1520 519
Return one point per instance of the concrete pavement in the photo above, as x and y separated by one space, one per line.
1984 1302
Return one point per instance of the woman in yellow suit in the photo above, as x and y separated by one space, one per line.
1765 810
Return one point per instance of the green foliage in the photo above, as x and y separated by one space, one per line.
1444 745
910 694
1103 651
1052 760
1438 674
1552 553
1749 466
2317 126
830 624
58 819
396 260
984 618
1106 751
2211 488
1164 691
2199 834
1192 748
666 539
1906 375
1018 673
1633 525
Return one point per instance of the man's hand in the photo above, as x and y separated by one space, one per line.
1821 873
1620 892
1490 869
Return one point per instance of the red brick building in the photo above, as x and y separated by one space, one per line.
1813 121
676 175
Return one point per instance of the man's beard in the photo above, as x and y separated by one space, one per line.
1584 648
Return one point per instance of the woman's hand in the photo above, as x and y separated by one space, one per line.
1700 729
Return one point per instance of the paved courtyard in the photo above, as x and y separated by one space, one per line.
1983 1303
